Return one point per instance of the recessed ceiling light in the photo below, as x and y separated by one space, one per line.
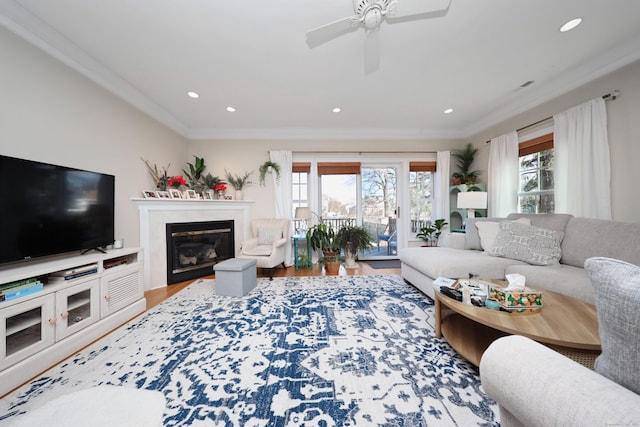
448 111
193 95
231 109
336 109
570 25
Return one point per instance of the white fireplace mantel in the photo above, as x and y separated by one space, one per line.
154 214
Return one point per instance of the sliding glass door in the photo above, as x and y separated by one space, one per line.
379 210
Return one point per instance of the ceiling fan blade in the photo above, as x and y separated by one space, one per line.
328 32
371 52
411 10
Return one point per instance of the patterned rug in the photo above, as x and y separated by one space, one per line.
298 351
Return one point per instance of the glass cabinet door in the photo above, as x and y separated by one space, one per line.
77 307
25 329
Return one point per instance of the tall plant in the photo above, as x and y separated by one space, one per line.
465 158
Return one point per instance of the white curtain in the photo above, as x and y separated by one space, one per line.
582 170
282 191
503 175
441 186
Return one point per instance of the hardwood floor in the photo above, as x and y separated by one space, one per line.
156 296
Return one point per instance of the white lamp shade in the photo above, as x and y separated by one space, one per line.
472 200
303 213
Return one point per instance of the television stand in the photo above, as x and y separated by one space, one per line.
68 302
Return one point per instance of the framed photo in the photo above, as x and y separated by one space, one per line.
207 194
228 197
163 195
191 194
149 194
175 193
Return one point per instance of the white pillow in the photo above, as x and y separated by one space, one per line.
488 231
266 236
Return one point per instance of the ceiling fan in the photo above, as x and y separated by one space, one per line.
369 14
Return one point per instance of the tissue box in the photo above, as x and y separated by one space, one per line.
517 301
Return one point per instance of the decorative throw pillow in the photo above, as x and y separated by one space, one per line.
488 231
617 290
266 236
534 245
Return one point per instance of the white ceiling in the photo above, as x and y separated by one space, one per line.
252 55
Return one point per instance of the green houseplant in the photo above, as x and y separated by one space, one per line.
432 232
322 237
465 158
238 182
351 239
268 166
194 175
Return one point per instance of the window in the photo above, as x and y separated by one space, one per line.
420 194
535 191
299 189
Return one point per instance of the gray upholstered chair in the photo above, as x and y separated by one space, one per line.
268 244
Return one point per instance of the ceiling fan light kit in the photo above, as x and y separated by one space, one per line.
370 14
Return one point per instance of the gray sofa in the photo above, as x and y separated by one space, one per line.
534 385
582 238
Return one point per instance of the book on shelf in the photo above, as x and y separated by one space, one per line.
75 271
21 291
55 278
18 283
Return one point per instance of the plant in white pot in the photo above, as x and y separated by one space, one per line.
268 167
351 239
238 182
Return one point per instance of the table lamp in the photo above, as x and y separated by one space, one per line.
303 213
472 200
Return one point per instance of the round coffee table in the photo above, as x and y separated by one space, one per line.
565 324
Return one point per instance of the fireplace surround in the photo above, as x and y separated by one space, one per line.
154 214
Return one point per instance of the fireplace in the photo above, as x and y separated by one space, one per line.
193 248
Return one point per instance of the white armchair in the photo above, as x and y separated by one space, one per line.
268 244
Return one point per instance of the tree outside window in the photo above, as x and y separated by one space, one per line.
535 194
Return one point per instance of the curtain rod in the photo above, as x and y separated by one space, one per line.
608 97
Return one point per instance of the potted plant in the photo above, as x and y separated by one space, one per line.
351 239
322 237
238 182
465 158
438 224
269 166
331 264
426 234
194 174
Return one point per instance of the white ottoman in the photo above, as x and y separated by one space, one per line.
235 277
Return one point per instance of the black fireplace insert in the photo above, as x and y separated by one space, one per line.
193 248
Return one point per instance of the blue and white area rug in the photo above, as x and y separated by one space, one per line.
297 351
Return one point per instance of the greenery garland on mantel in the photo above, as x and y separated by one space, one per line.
265 167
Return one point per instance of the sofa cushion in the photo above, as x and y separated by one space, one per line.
534 245
563 279
588 237
552 221
454 263
488 231
472 238
617 290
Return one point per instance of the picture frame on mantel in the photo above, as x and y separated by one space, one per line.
175 193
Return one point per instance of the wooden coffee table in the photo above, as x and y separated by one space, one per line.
565 324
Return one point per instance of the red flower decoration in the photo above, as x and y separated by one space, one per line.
176 181
220 187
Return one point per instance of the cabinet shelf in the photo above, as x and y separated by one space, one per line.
23 321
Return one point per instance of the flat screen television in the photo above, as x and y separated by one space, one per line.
47 209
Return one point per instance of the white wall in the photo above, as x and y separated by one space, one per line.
239 157
623 125
50 113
